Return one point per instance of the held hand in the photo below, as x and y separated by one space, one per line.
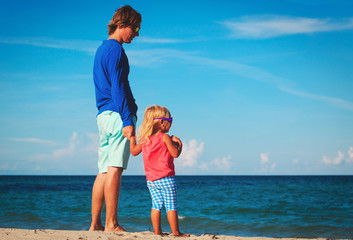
173 144
128 132
176 141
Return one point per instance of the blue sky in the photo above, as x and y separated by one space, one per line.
255 87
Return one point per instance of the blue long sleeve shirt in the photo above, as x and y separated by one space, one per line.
110 73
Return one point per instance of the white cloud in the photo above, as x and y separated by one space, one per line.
78 145
77 155
222 163
40 168
268 26
7 167
264 158
93 143
190 154
326 160
158 40
87 46
273 166
265 163
327 3
350 155
67 151
335 161
170 40
192 150
158 56
247 72
34 140
336 102
153 57
340 158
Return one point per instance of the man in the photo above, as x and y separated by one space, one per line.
116 116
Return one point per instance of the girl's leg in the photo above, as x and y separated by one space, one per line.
156 221
157 204
170 198
174 223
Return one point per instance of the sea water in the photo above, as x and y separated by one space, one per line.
249 206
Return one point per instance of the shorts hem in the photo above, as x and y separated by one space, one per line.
171 210
159 210
106 170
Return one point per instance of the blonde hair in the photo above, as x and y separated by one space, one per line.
149 126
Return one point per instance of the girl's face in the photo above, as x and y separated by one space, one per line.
166 125
163 125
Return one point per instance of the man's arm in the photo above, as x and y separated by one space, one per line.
121 91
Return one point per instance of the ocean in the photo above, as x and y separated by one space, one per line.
248 206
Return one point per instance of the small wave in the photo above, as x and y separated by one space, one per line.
181 217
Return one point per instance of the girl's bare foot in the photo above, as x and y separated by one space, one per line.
161 234
115 229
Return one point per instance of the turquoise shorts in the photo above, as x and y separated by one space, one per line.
114 148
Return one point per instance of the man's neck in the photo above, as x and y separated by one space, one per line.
116 35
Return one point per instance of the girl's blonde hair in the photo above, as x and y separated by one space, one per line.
149 126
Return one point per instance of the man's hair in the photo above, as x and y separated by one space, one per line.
125 16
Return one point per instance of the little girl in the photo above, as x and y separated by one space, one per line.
158 152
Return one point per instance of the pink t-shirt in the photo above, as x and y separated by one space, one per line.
157 159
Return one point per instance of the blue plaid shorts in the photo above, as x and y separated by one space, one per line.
163 193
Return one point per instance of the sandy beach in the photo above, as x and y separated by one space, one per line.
40 234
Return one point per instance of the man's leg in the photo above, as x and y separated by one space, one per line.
111 193
97 202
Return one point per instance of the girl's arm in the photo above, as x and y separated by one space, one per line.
135 149
173 150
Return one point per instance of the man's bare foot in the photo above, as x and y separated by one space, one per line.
181 235
115 229
96 228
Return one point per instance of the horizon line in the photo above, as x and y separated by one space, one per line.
203 175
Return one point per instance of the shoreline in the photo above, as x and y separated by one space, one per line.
46 234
